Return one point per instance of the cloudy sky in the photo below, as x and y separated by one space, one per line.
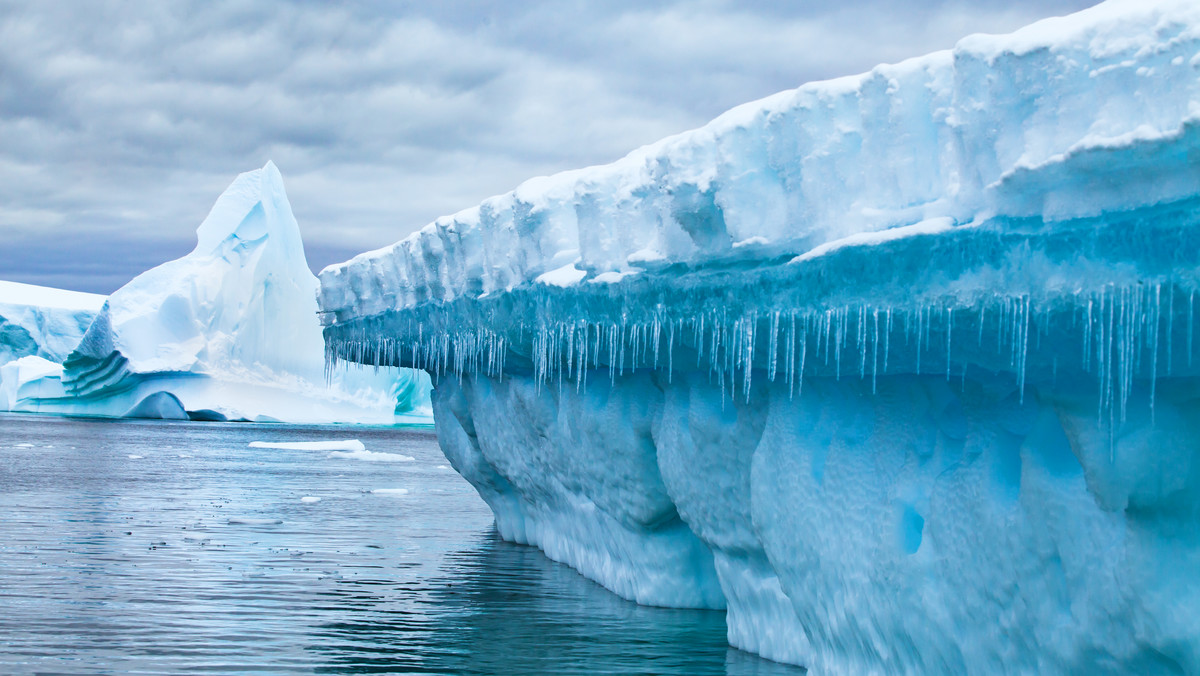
121 122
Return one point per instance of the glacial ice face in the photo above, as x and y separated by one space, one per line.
229 331
911 355
38 321
39 326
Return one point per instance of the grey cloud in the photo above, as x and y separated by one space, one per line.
121 122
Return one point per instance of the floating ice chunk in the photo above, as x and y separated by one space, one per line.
390 491
345 445
133 456
371 456
309 499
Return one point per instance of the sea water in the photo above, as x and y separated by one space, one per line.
165 547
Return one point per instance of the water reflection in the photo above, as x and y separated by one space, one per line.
504 608
199 554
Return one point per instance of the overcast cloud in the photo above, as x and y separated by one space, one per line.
121 122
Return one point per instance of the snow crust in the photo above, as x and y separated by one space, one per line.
900 369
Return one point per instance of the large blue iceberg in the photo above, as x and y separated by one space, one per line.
901 368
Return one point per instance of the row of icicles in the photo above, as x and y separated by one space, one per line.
1120 327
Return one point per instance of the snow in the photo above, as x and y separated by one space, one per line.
900 369
16 293
227 332
347 445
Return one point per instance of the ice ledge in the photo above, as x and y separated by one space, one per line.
1069 118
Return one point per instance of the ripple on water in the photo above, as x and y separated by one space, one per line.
225 558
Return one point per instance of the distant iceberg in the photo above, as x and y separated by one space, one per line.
39 321
39 326
228 332
900 368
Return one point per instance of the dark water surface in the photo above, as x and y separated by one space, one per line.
162 547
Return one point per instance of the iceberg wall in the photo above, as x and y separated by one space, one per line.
39 321
39 326
899 368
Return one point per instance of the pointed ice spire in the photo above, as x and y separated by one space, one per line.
243 298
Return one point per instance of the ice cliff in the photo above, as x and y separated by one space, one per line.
898 368
38 321
39 326
228 332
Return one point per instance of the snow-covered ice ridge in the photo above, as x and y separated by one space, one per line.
901 369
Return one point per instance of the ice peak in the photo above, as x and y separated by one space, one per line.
255 206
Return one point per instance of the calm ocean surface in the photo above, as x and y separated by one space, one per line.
162 547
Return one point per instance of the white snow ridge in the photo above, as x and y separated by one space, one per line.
900 369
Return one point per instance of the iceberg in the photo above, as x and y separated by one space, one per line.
228 332
39 321
39 326
900 368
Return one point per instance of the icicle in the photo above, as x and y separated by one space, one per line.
1190 324
887 339
773 346
1087 335
790 360
839 338
920 332
875 352
656 332
670 351
800 372
1024 348
1170 325
748 366
621 349
949 335
1154 319
861 334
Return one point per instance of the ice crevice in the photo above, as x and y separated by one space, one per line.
899 368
